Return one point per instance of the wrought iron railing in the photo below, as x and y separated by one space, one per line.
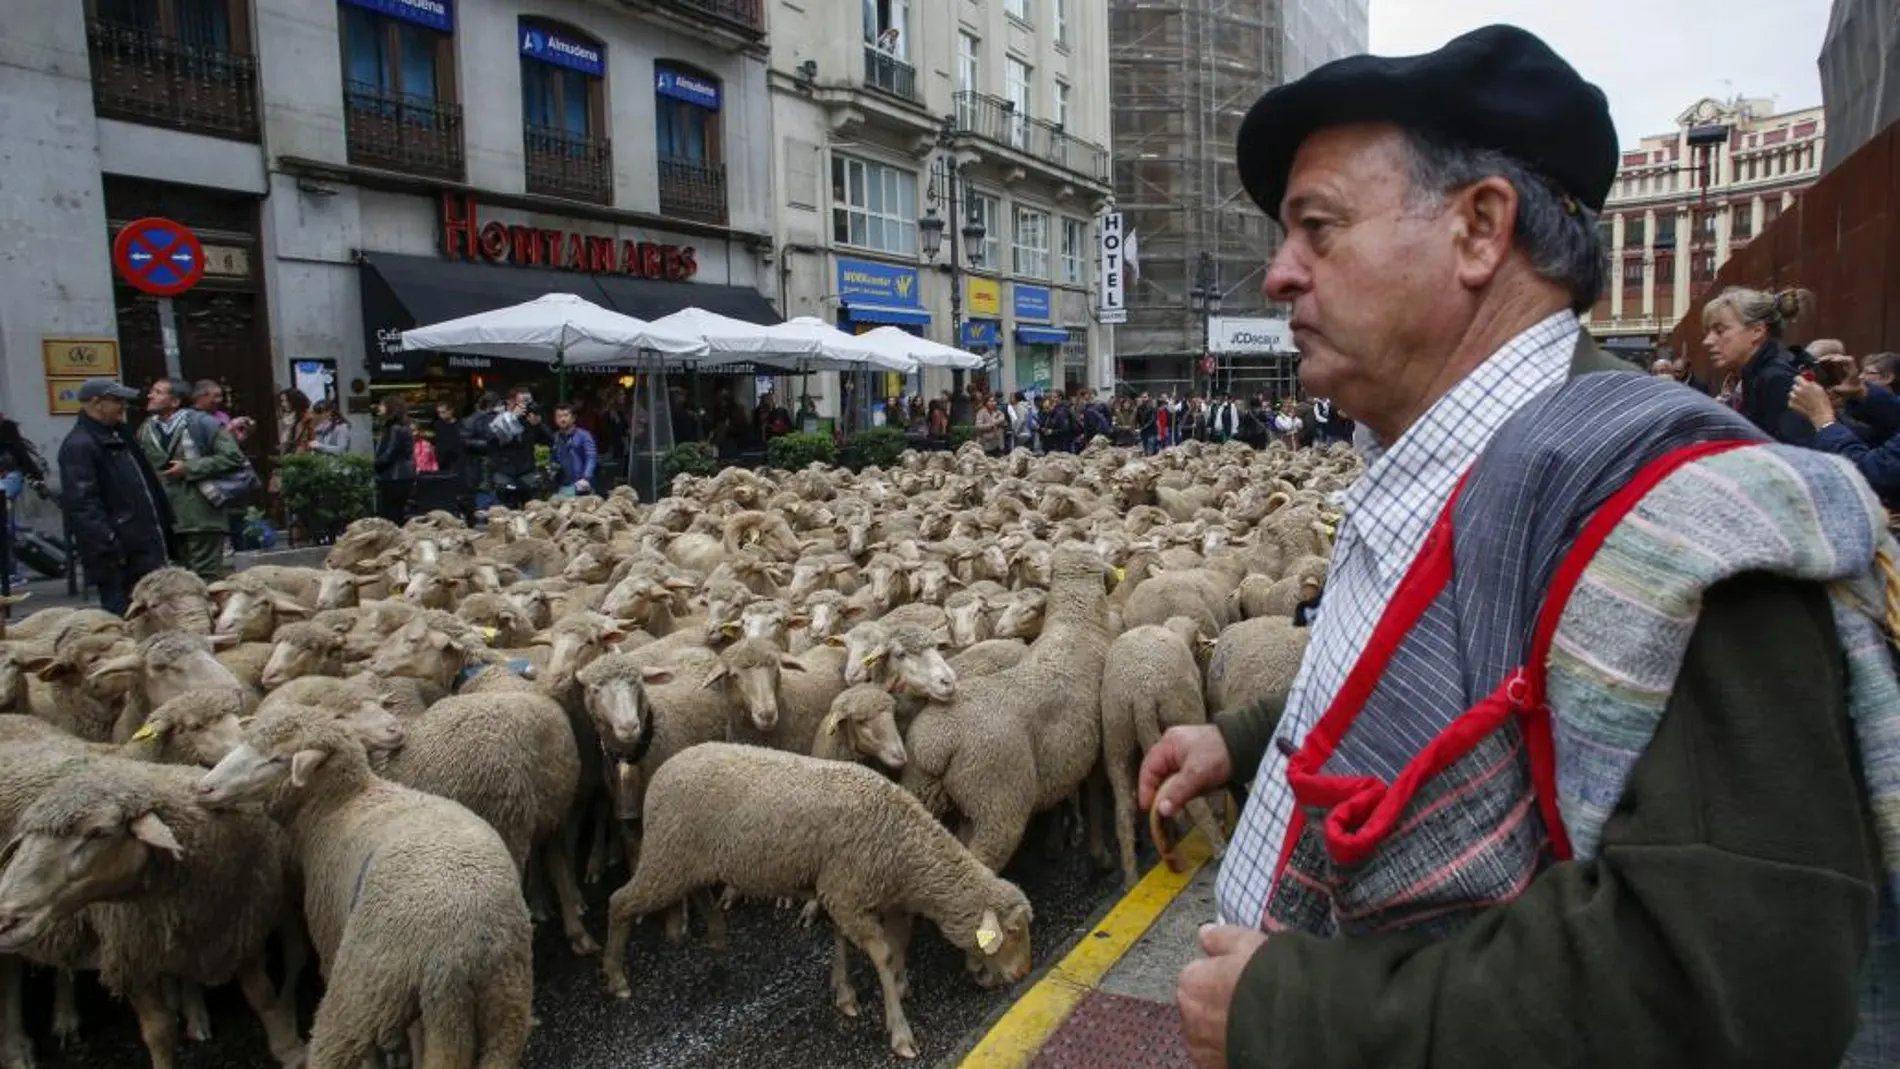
400 132
693 189
145 77
888 74
747 13
561 164
995 119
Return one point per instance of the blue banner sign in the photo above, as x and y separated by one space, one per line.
683 86
982 334
435 14
1032 302
868 282
550 47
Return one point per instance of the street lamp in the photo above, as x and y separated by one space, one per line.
1205 297
947 186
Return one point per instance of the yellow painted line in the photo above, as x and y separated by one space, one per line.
1014 1040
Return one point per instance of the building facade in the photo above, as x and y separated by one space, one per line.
1184 73
355 167
896 118
1684 201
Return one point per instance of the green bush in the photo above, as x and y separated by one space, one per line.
878 446
690 458
793 452
961 433
326 493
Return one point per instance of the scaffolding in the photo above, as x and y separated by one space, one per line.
1182 75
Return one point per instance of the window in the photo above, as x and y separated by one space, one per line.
561 90
1742 222
887 27
1032 243
1770 210
1061 12
873 206
1018 83
1666 229
388 56
1062 106
1665 270
686 114
1633 232
987 211
205 23
1702 268
966 63
1075 235
1017 9
1633 274
1704 222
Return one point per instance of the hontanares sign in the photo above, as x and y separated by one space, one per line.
465 236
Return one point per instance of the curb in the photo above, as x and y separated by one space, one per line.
1015 1039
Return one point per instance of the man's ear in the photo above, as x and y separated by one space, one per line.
1487 228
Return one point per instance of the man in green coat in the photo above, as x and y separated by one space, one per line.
188 449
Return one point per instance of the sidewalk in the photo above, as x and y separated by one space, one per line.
1109 1004
51 593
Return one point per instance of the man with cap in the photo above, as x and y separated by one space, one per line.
1582 763
115 506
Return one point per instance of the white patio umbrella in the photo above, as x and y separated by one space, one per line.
926 352
730 340
556 328
839 351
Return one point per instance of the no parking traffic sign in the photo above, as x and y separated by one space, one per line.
158 256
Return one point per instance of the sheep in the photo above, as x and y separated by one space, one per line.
197 727
304 649
904 657
970 617
786 697
989 657
158 670
246 660
499 618
61 689
362 541
1199 593
375 717
772 824
1018 742
250 608
413 902
1152 682
169 599
168 890
319 588
534 558
861 725
37 626
1022 618
1254 659
769 532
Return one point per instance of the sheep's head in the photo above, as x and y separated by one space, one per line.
306 649
867 716
1023 616
433 588
889 579
725 602
433 646
500 620
168 666
337 590
249 610
864 652
574 642
285 744
593 564
972 617
88 838
767 618
914 664
827 612
616 699
751 667
353 703
931 582
999 942
170 599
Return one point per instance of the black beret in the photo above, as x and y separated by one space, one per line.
1498 88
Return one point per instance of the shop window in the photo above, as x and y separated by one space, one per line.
386 57
873 206
562 76
1031 243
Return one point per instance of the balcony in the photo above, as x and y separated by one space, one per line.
397 132
746 14
888 74
567 165
693 189
994 119
143 77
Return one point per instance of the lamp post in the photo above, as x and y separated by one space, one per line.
947 185
1205 297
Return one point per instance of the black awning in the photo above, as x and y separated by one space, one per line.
403 292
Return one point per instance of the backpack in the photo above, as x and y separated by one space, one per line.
425 456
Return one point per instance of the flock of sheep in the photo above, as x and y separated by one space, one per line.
850 691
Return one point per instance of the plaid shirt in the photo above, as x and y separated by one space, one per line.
1388 513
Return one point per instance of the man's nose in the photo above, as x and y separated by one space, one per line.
1286 277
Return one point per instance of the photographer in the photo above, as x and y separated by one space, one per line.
513 433
1879 465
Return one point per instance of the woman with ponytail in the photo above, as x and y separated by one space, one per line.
1755 368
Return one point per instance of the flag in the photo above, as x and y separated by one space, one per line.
1131 256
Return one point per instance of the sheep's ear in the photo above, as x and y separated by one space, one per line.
797 620
151 831
439 639
135 610
130 662
714 677
541 638
46 667
225 641
288 605
832 720
303 764
789 663
852 612
989 933
219 587
656 675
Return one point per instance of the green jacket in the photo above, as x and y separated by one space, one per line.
191 512
1729 908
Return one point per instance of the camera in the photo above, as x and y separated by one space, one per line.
1830 373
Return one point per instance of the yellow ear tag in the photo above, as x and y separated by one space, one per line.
985 939
1119 574
145 734
871 660
489 633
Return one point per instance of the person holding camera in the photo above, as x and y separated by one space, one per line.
1822 407
1745 346
513 433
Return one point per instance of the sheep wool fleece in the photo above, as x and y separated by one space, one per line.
1393 798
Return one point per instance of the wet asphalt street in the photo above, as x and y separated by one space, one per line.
766 1002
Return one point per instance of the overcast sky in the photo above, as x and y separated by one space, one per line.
1654 58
